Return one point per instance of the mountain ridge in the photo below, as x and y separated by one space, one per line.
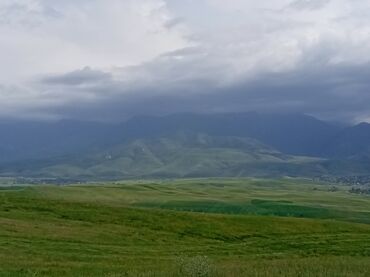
67 148
180 155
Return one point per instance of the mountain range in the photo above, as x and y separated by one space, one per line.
185 145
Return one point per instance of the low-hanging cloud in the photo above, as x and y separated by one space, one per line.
296 56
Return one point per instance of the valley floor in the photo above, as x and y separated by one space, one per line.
198 227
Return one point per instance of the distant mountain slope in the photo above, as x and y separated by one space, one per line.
350 143
23 140
294 134
180 155
230 145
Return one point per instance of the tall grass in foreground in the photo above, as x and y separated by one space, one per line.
202 266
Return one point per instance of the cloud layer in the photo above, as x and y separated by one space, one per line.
112 60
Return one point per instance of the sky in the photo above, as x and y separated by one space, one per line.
109 60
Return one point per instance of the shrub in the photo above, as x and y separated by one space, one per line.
199 266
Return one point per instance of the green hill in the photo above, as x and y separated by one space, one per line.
180 155
185 145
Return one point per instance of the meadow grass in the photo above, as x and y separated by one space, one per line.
216 227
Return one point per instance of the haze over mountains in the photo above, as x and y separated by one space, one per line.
185 145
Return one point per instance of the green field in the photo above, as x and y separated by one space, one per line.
198 227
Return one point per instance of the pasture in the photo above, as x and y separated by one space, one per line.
194 227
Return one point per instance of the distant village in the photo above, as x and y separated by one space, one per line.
359 184
38 181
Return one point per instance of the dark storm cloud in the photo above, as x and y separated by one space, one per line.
331 92
78 77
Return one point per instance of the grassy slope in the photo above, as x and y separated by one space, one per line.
97 230
182 155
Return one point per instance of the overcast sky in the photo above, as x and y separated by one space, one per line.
112 59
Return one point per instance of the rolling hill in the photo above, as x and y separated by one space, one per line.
180 155
290 133
185 145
